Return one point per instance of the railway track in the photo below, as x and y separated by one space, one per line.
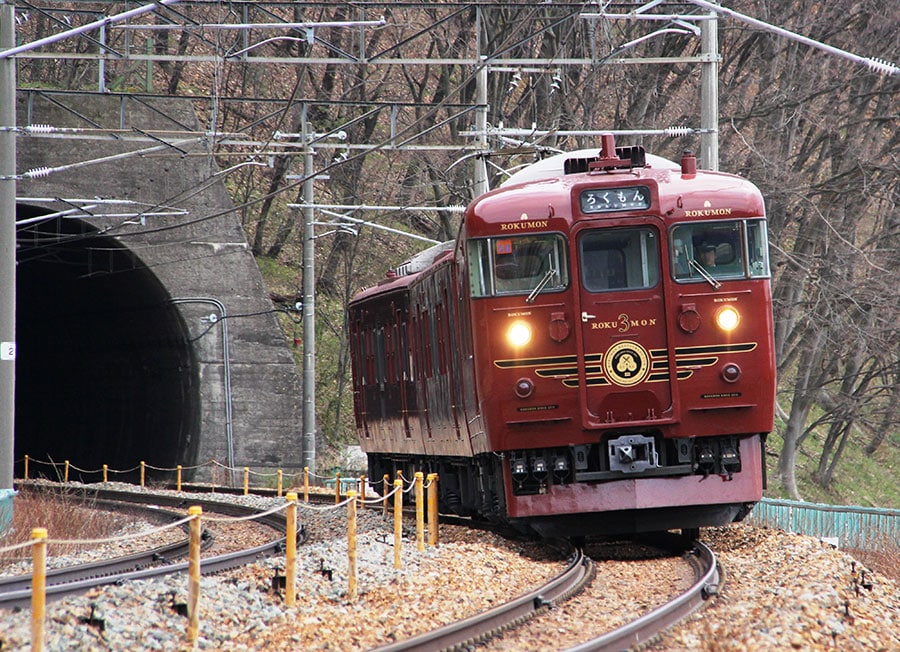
15 591
579 570
648 626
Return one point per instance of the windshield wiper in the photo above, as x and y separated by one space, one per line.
541 285
706 275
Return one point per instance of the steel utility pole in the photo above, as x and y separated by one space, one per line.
709 93
309 302
7 244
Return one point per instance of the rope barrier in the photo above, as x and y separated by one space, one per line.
120 538
14 547
28 461
131 470
249 517
363 482
40 540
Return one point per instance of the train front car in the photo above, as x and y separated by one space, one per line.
623 348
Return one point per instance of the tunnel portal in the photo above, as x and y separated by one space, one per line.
105 371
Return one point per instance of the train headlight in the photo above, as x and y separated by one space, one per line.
518 334
728 318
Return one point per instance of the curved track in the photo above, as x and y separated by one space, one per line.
488 623
15 591
648 626
579 571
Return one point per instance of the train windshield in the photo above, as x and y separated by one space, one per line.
720 250
524 264
619 259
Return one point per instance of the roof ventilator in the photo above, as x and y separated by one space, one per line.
610 158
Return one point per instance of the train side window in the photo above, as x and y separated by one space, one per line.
379 355
619 259
758 249
479 268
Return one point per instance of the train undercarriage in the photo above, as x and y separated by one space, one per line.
627 484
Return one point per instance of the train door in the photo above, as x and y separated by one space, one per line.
623 370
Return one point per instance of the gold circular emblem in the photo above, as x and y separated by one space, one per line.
626 363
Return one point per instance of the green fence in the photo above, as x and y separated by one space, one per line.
863 528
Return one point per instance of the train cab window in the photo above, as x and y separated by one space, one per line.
517 265
707 251
619 259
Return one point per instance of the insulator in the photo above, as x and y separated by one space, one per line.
40 129
883 66
37 172
678 131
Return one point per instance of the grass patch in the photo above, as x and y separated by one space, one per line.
65 516
868 481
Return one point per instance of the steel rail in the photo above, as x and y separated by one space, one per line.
79 579
649 625
492 622
488 623
132 562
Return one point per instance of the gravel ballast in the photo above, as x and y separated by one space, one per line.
781 591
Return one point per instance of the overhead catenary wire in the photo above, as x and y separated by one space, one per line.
111 229
82 29
876 64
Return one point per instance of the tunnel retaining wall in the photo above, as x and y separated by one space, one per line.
249 386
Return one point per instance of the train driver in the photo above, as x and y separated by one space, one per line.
706 256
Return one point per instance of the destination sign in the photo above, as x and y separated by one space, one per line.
604 200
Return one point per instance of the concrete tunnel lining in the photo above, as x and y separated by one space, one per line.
240 403
105 372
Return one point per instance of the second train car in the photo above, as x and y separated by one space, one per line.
592 355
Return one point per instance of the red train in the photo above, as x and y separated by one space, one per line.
592 355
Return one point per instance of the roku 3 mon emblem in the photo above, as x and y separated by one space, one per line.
626 363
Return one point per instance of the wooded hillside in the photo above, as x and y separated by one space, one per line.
818 133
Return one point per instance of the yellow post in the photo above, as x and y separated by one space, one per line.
305 484
290 562
26 467
420 513
246 481
384 488
143 472
280 482
105 469
398 520
351 546
178 479
38 586
66 476
337 487
432 509
194 575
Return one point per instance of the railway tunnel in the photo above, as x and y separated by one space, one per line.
144 329
105 373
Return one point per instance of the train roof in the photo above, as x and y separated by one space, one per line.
554 166
544 189
402 275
